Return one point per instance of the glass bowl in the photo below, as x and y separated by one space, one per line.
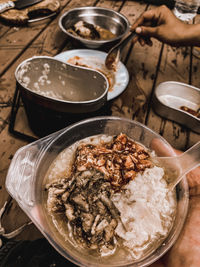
25 183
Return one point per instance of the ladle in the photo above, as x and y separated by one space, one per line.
176 167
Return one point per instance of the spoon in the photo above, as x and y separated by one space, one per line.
180 165
114 54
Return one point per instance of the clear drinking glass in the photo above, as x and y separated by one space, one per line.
186 10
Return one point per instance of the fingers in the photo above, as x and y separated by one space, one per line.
141 41
154 23
147 18
145 41
137 23
147 31
149 42
143 32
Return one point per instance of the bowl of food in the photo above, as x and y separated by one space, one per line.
96 194
94 27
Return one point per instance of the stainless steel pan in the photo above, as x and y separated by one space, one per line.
170 96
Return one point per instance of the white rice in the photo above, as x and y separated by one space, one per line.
147 210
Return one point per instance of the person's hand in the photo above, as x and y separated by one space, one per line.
186 251
163 25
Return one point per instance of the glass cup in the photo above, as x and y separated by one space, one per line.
186 10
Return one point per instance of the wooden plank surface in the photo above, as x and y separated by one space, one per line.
141 64
147 66
176 65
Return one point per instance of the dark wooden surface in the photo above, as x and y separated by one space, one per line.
147 66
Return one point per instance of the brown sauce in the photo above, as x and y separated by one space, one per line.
193 112
105 34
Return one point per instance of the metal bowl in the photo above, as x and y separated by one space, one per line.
170 96
103 17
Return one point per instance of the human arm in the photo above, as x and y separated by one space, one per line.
162 24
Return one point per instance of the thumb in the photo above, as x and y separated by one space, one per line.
146 31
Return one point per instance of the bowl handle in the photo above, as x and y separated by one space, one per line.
21 173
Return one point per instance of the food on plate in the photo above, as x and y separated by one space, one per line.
106 195
111 62
90 31
83 62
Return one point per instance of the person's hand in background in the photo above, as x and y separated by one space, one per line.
162 24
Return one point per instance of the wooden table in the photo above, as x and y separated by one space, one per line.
147 66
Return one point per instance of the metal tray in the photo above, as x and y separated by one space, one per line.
170 96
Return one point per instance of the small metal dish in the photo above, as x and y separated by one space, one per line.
172 99
103 17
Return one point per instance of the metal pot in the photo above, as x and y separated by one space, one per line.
52 90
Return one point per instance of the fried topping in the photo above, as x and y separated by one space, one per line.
119 161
